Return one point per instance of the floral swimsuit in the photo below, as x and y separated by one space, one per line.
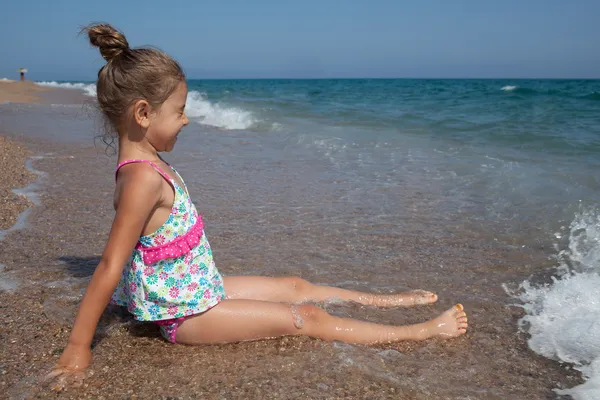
171 274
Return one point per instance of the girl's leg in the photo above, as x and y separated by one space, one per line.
241 320
297 290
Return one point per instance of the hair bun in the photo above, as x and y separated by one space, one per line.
110 41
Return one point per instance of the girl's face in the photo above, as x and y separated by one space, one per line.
168 120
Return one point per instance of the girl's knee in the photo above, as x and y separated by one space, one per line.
306 315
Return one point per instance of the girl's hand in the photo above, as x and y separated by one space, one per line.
70 368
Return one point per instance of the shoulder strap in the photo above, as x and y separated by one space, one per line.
156 167
176 173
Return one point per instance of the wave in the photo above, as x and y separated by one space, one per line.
591 96
523 90
563 318
549 92
200 109
89 89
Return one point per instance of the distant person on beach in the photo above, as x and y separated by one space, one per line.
22 72
158 262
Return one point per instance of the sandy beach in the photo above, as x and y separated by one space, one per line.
51 260
12 165
20 92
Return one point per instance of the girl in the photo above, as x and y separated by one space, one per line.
158 262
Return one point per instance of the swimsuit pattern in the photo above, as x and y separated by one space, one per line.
171 273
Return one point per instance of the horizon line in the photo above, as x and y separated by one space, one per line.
405 77
359 78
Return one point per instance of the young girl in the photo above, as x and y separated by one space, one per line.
158 262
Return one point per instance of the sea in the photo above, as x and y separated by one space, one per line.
511 164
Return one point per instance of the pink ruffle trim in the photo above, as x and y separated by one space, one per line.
175 248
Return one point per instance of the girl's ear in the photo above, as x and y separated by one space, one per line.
141 113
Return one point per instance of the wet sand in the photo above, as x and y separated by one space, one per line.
14 175
52 259
20 92
29 92
13 156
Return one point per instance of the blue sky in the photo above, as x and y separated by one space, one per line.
314 39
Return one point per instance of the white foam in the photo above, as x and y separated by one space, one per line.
30 192
200 109
89 89
509 88
563 318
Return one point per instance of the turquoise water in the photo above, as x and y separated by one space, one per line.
514 156
550 116
511 148
519 155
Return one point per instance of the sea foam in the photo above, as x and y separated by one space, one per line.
563 318
198 107
89 89
201 110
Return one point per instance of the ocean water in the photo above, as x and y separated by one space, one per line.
505 163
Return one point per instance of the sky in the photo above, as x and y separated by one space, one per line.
313 39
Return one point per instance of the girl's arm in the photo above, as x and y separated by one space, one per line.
140 194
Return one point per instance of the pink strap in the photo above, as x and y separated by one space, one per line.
156 167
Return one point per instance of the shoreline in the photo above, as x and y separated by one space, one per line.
54 255
29 92
20 92
16 177
14 160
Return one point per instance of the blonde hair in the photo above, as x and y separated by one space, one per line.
130 74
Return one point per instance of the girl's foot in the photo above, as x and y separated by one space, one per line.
449 324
